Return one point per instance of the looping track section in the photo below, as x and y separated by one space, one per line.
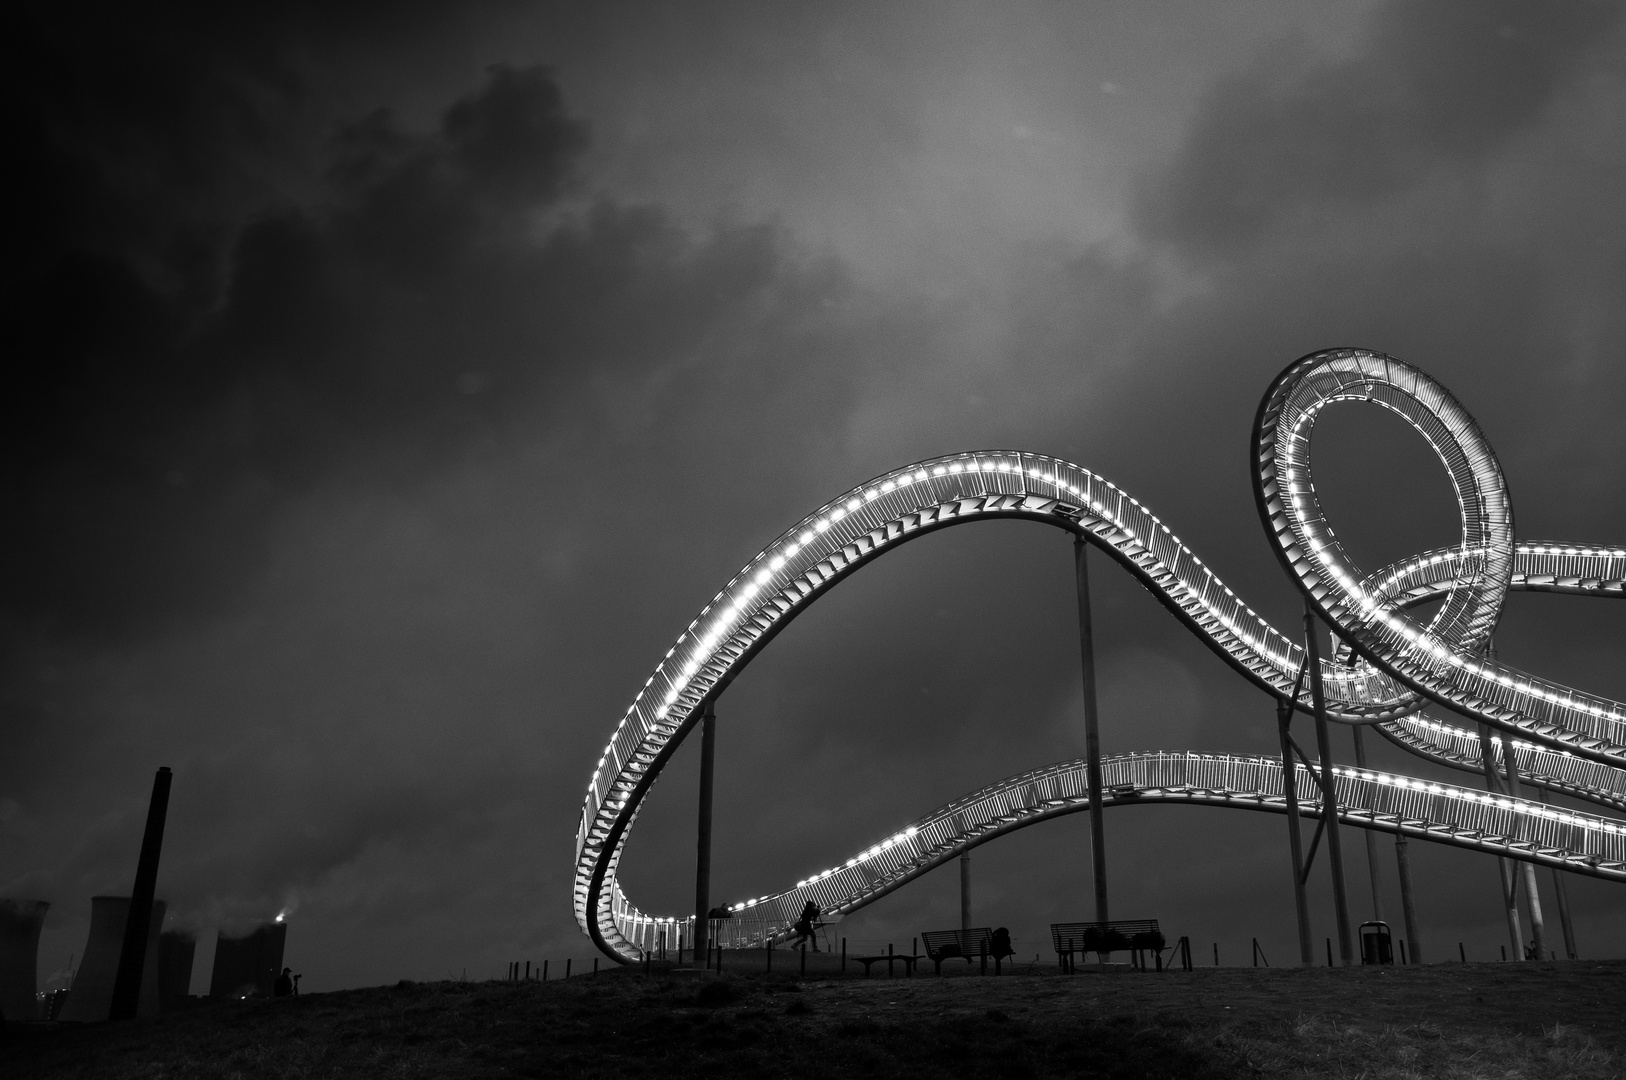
1397 664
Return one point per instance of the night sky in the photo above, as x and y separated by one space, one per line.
389 385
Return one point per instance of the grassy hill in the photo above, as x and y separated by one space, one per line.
1477 1020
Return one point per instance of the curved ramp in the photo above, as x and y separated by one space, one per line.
1419 809
1395 665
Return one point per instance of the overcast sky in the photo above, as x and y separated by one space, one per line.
396 382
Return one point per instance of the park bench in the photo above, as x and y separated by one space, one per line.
906 959
1129 935
965 944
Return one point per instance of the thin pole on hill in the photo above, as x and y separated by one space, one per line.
1408 906
1532 895
702 853
1562 893
1329 791
1092 727
1295 839
1510 904
1375 878
965 892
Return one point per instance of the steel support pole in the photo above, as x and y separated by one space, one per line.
1092 728
965 892
1295 841
1532 895
1562 890
1329 791
702 853
1487 758
133 957
1408 907
1371 836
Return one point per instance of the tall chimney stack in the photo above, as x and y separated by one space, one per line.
127 983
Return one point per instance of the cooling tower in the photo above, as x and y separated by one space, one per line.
175 951
20 922
246 966
92 995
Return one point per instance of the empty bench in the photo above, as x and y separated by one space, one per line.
906 959
1128 935
962 944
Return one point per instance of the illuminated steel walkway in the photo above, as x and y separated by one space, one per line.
1391 665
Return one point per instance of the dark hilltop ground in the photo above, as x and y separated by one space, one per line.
1476 1020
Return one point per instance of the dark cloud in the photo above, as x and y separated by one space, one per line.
179 385
1437 86
388 345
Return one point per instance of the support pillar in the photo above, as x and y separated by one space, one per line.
138 924
1329 791
1407 906
1564 919
1532 895
965 892
1092 728
1371 836
1561 890
1487 758
702 854
1295 840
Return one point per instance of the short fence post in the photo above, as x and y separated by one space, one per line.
889 959
1216 954
1329 952
844 956
1403 959
595 967
1462 952
803 970
544 971
770 954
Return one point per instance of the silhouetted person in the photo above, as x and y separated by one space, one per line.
284 986
999 947
806 923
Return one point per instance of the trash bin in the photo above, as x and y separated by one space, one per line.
1377 947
